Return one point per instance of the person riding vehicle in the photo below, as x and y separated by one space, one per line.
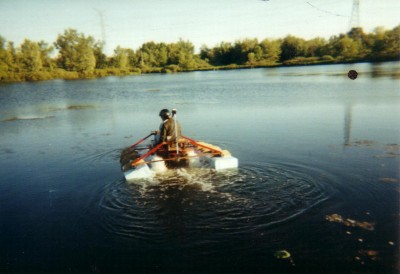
170 129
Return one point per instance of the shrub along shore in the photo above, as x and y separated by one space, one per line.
80 56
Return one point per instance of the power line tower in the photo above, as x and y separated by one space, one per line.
355 15
102 26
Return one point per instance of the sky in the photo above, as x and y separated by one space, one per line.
130 23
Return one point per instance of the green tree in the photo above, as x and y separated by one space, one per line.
378 36
121 58
181 53
392 44
153 54
30 56
271 50
292 47
45 52
344 47
3 59
11 57
76 52
247 50
186 58
134 58
162 55
148 54
206 53
365 44
315 47
223 54
101 58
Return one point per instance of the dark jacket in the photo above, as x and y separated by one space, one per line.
167 130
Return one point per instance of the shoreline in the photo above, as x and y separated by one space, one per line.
102 73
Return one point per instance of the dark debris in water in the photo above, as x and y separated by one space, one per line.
389 148
389 180
73 107
336 218
392 147
79 107
388 155
12 119
363 143
391 151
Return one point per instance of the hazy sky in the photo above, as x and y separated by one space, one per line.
131 23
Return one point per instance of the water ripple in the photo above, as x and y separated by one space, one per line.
214 204
97 155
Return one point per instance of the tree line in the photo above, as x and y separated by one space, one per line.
80 56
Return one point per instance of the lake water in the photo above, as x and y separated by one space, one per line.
310 142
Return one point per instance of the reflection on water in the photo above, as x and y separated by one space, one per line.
347 125
380 70
310 146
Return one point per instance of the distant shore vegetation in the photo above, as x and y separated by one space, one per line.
80 56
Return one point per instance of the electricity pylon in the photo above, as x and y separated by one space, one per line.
355 15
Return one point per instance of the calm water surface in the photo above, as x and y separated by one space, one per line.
310 143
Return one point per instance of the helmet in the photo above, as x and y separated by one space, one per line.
165 114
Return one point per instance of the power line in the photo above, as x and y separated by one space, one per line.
326 11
